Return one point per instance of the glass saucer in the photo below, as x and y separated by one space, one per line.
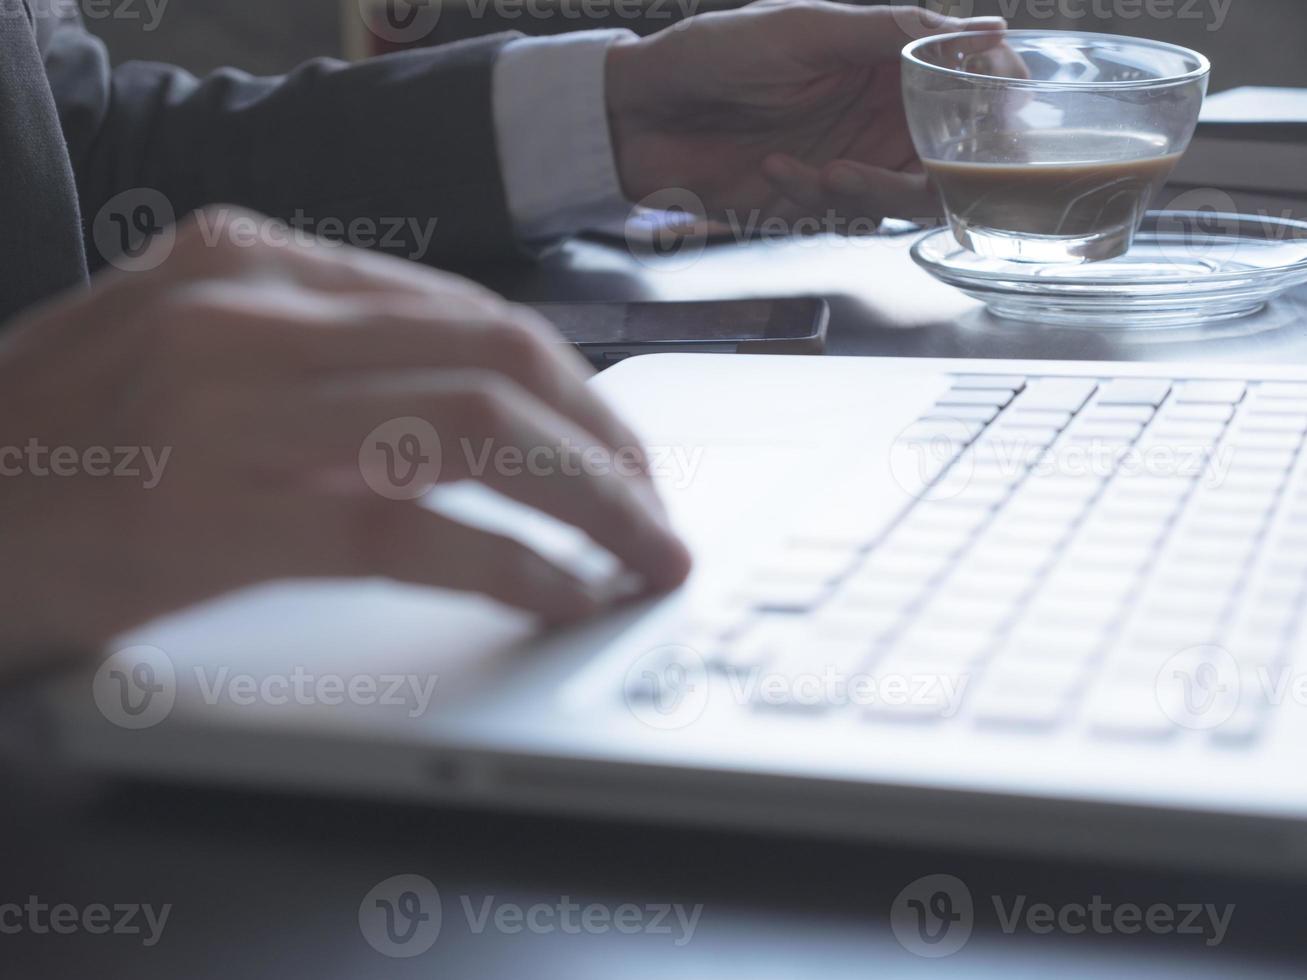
1185 268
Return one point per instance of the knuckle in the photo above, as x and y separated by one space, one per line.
613 507
483 401
217 232
521 348
799 11
184 328
454 284
181 314
190 230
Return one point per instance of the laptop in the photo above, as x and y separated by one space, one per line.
1022 606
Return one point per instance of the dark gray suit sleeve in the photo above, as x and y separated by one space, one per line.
405 138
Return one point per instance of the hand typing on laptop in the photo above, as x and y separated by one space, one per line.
207 427
256 373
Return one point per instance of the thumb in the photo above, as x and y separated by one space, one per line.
894 193
852 190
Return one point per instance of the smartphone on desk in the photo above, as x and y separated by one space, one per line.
609 332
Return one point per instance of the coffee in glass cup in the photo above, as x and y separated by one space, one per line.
1050 146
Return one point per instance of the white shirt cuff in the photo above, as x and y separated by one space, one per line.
551 123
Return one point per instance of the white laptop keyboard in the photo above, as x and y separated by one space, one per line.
1071 538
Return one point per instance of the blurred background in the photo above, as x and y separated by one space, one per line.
1250 42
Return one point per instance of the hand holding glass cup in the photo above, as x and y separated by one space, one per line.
1048 146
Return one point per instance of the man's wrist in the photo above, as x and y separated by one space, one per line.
622 96
553 136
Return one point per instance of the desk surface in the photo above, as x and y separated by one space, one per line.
883 304
269 887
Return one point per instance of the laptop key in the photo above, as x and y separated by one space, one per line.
998 708
1098 412
1263 405
974 494
792 595
1131 712
1011 382
1060 394
1132 391
916 699
1036 676
1223 392
1107 429
1056 642
1254 422
1044 510
1244 438
974 396
1003 440
813 678
1244 725
765 639
1283 389
1262 459
1037 418
1202 412
978 614
808 563
854 622
878 593
1186 432
931 642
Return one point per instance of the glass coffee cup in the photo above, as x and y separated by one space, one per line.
1050 146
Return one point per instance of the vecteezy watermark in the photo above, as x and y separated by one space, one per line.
940 694
149 13
675 466
400 21
935 915
409 236
1204 229
1203 688
411 21
135 230
300 686
97 919
137 688
668 229
403 917
1211 12
36 459
938 459
403 458
1064 12
1199 688
667 687
400 458
1200 229
831 227
582 10
672 919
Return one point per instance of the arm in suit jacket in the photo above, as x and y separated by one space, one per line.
407 136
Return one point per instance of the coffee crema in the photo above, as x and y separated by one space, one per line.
1057 183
